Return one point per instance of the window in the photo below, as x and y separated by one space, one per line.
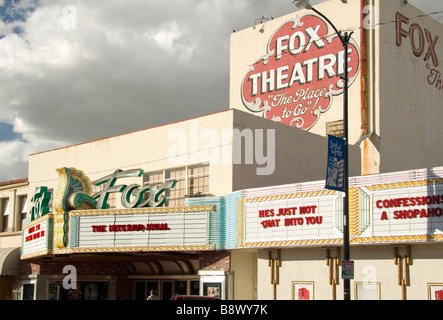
335 128
28 291
176 196
112 197
5 214
154 177
192 181
212 289
96 290
51 191
198 180
166 288
23 208
195 287
180 288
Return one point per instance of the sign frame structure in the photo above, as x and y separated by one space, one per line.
186 228
296 212
38 237
195 226
295 81
385 209
121 230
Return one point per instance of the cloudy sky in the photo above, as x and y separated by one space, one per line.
79 70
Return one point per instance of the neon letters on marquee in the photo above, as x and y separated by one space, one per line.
34 233
133 196
130 227
292 216
295 82
413 207
40 203
155 198
74 193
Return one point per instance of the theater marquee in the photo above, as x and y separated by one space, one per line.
81 222
148 229
291 219
392 212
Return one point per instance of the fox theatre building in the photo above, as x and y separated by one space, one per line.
147 210
233 204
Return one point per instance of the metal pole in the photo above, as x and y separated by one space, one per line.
346 251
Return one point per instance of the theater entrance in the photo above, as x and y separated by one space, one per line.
166 288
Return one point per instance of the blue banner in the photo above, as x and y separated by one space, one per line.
336 161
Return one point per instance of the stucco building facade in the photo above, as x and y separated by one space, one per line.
233 204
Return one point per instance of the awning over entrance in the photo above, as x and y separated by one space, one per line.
9 261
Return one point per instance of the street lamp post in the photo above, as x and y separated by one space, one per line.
345 37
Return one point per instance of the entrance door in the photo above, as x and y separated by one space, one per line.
143 289
167 291
165 288
28 291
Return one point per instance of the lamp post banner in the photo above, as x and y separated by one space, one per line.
336 161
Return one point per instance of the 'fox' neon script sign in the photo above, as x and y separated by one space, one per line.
75 190
155 198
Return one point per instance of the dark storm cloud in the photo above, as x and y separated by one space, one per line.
83 70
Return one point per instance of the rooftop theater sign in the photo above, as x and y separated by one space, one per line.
295 81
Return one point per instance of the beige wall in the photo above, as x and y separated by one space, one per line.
244 267
372 264
13 192
409 106
146 149
299 156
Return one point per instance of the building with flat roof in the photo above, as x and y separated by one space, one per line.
233 204
162 190
13 210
